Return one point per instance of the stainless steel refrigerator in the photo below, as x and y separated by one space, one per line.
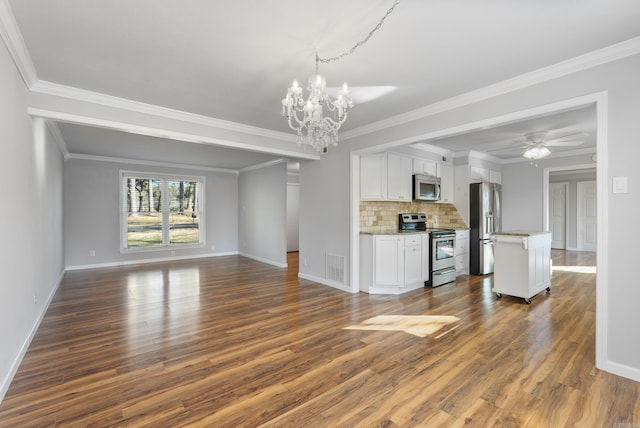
484 219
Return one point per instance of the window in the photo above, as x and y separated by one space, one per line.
159 211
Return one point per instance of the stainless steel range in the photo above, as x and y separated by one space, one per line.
443 258
442 266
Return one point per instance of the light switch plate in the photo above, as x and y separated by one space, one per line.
620 185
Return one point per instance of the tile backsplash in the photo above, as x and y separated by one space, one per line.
381 216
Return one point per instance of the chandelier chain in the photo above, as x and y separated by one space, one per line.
361 42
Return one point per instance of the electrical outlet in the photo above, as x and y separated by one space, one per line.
173 253
92 253
35 298
213 247
304 261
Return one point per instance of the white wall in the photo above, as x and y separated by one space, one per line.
262 204
293 224
522 191
32 260
324 213
620 347
92 213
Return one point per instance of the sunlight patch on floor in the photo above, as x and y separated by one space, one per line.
418 325
575 269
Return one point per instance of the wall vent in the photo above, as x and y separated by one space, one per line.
336 268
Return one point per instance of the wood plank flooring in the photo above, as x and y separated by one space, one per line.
229 342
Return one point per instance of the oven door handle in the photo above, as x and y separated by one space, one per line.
445 271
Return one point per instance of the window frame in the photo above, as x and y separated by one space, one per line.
165 211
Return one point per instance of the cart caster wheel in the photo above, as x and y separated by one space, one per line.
498 295
548 289
527 301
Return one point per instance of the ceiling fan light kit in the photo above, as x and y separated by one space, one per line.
307 117
537 144
536 152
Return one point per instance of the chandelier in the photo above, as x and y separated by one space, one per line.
317 119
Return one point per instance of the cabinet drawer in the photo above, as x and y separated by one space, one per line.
412 240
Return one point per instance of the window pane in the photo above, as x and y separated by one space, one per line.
184 212
144 219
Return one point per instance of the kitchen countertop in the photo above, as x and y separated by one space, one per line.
521 233
408 232
395 232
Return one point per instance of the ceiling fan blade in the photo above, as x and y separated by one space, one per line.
572 137
563 143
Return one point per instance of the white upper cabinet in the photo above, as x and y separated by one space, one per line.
373 177
445 172
425 167
495 176
399 177
477 173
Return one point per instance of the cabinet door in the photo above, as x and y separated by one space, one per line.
495 176
373 177
424 166
445 172
478 173
412 264
398 178
462 242
462 252
388 260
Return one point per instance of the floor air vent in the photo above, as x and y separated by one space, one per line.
336 268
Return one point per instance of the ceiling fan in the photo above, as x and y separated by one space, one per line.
537 145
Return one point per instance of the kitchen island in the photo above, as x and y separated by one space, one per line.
522 263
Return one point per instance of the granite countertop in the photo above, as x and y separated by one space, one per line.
409 232
395 232
521 233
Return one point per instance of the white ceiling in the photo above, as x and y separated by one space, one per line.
234 60
507 141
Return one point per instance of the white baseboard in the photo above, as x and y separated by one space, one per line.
263 260
323 281
4 386
145 261
621 370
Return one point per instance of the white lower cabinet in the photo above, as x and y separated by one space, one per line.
462 252
412 259
426 257
388 261
391 264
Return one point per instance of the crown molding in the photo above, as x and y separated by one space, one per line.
149 163
55 89
54 129
579 63
553 155
432 149
478 155
12 37
161 133
262 165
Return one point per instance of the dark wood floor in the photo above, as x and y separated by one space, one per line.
232 342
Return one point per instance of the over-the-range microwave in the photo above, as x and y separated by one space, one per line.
426 188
